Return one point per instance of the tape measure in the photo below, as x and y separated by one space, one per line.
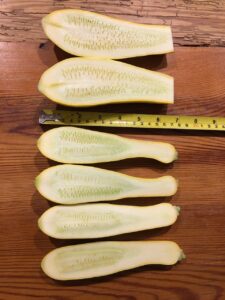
81 118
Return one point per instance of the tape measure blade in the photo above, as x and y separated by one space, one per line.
104 119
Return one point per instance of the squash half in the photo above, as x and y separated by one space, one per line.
85 33
103 220
104 258
72 184
91 81
82 146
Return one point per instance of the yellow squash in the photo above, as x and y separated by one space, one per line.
104 258
81 146
91 81
85 33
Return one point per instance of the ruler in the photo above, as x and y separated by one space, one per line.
81 118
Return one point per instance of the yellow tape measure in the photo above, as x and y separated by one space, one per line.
81 118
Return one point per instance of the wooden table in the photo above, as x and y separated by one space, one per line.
199 73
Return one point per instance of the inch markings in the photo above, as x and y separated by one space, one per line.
62 117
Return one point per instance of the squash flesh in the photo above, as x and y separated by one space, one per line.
82 146
104 258
83 33
102 220
90 81
72 184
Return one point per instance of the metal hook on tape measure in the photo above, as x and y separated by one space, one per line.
52 117
44 117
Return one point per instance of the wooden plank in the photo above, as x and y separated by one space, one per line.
193 22
200 89
199 77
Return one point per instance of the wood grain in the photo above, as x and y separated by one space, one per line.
194 22
200 89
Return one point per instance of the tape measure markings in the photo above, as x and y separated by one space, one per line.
61 117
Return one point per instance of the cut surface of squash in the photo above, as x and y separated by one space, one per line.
72 184
102 220
90 81
104 258
84 33
82 146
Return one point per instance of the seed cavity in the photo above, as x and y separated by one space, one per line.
88 32
88 259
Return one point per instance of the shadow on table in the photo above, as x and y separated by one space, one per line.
97 280
39 204
51 54
115 276
41 162
151 62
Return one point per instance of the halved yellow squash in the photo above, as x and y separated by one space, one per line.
102 220
104 258
81 146
72 184
91 81
85 33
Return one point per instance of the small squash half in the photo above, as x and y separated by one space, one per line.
82 146
104 258
103 220
72 184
